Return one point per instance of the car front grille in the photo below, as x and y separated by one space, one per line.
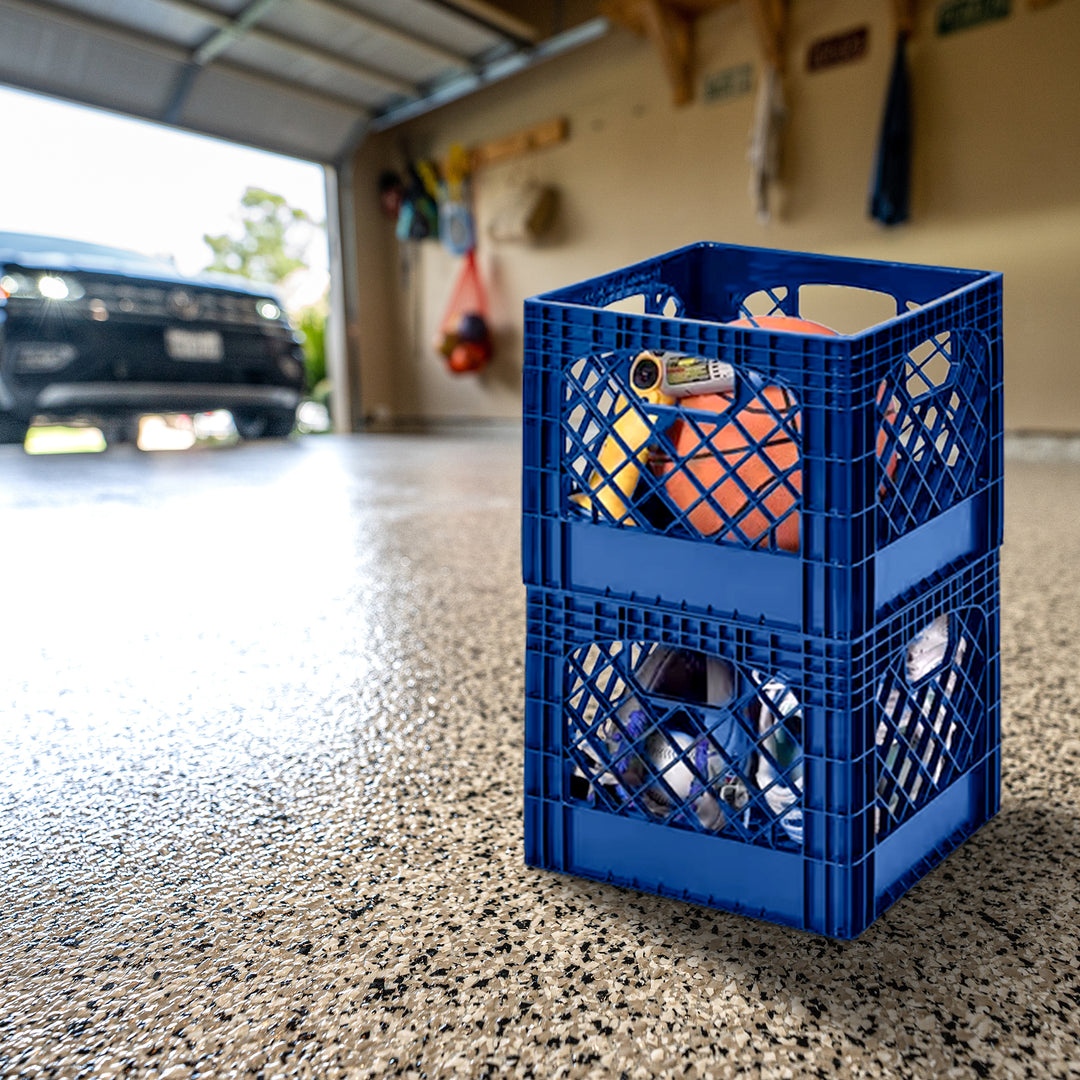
151 300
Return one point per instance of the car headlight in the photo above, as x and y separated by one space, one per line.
18 285
58 287
55 287
268 309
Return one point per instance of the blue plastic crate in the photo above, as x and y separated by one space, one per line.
802 779
838 470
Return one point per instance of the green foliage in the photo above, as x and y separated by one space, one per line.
311 322
274 238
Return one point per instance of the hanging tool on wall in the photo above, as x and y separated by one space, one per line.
391 194
456 229
890 194
419 216
528 213
770 112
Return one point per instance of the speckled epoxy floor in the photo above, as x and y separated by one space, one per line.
261 787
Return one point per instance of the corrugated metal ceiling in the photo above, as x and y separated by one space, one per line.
301 77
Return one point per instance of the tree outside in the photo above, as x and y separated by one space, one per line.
271 247
274 238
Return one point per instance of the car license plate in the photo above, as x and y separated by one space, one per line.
194 344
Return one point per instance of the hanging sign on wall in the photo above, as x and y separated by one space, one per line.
838 49
964 14
729 83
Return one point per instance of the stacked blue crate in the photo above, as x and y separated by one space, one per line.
877 521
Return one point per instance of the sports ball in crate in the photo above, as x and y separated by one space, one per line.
740 479
718 463
671 770
778 770
668 753
788 323
675 768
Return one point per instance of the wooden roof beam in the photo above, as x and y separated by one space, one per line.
670 26
488 16
770 19
672 33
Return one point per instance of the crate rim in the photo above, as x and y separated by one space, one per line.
900 610
977 279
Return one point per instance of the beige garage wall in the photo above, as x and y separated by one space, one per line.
996 185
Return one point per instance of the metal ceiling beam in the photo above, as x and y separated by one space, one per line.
387 30
217 43
488 73
169 50
237 28
309 51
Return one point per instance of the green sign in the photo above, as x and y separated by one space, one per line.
730 82
964 14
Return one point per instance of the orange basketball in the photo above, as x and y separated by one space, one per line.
739 479
788 323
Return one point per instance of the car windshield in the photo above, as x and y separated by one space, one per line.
24 245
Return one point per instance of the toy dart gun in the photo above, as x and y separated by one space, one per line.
658 378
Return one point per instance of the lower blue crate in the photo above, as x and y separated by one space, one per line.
797 778
778 886
920 844
648 856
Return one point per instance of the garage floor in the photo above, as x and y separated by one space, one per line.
261 789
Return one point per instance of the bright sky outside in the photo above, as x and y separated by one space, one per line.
90 175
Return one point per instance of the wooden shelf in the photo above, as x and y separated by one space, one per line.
670 25
548 133
770 19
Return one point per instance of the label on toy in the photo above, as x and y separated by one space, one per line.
696 374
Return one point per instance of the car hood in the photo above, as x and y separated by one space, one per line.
37 257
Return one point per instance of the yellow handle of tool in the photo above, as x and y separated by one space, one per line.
621 456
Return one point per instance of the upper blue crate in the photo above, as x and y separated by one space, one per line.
763 433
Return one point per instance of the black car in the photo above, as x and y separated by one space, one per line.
95 333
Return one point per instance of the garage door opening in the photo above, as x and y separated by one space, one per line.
159 288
